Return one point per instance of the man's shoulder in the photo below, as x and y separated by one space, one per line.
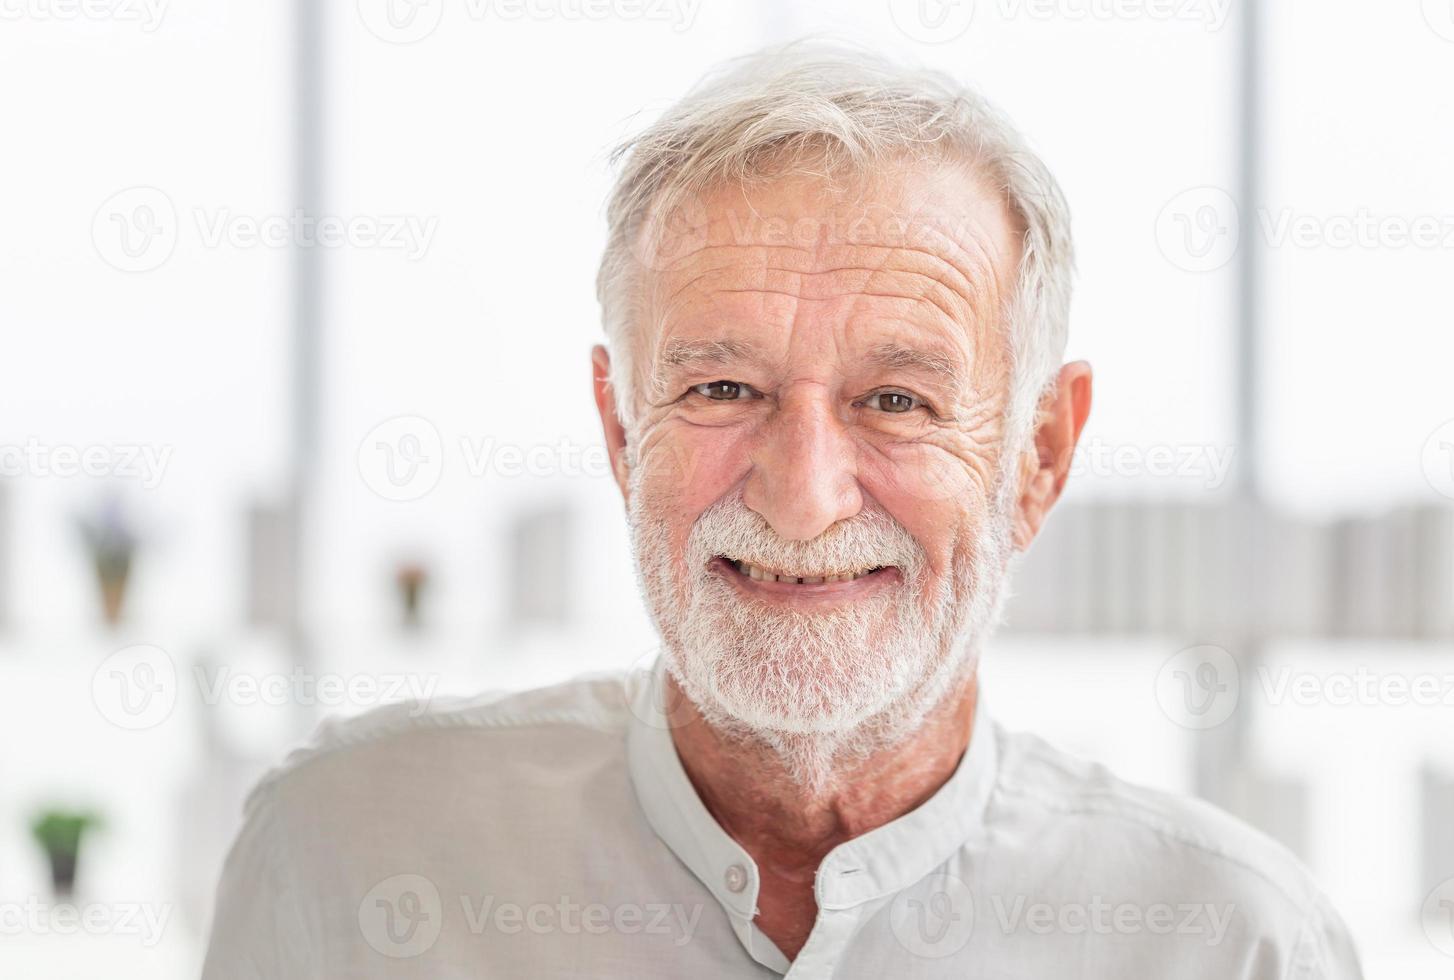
410 745
1170 837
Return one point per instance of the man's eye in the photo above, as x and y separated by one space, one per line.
723 391
895 402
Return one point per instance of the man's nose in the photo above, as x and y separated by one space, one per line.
804 475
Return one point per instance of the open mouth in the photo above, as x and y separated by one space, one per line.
803 581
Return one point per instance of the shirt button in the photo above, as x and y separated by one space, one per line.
736 878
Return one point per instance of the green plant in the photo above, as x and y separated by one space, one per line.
59 832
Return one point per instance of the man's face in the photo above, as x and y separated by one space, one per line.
824 377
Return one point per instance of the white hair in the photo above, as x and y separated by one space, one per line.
823 108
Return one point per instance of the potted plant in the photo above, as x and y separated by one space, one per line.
111 543
59 833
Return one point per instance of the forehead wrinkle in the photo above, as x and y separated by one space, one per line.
742 264
937 290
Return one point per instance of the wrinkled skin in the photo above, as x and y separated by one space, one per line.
819 348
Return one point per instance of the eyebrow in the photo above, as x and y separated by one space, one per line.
681 352
945 371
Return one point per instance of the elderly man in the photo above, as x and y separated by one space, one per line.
835 294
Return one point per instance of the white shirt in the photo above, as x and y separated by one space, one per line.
555 834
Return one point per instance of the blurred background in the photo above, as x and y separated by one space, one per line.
295 419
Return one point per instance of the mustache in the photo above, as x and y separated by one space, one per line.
869 539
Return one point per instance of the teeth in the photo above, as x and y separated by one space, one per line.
758 574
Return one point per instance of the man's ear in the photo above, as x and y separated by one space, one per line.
610 421
1044 471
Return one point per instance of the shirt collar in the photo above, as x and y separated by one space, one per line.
882 862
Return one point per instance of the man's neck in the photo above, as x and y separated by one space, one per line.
789 828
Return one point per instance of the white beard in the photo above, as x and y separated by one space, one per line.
821 690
